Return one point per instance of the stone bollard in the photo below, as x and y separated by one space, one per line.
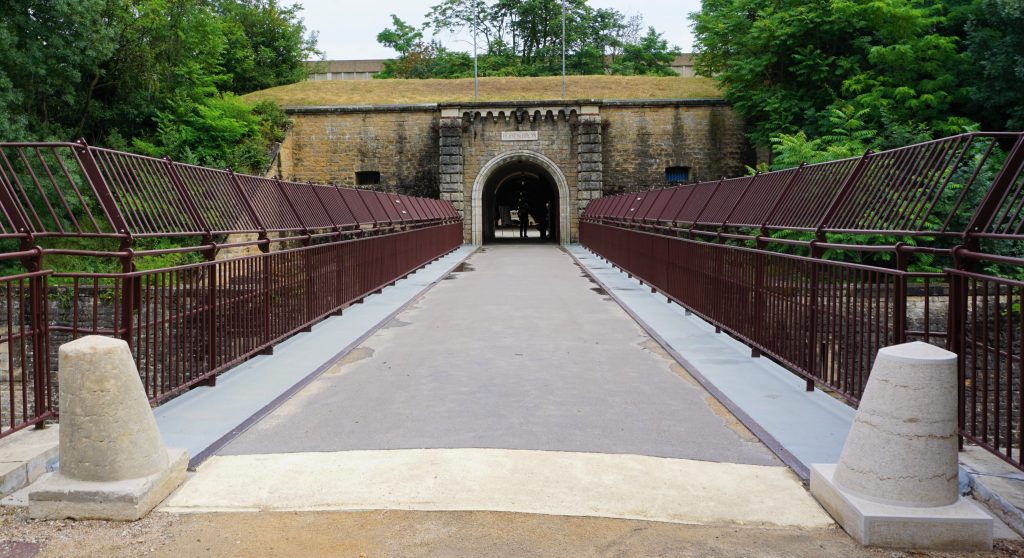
896 481
113 464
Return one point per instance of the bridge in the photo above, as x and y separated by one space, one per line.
291 333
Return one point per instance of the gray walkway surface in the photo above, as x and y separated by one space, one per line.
518 351
810 425
201 417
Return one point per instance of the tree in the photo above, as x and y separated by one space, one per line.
517 37
149 75
650 56
787 65
994 32
266 44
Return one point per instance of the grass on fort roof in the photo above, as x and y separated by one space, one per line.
400 91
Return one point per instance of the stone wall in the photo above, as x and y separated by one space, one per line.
642 139
439 150
331 144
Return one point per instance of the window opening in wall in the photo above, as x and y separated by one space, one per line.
677 175
367 178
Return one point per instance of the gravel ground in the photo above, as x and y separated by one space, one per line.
448 534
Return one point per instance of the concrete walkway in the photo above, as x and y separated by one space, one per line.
519 353
513 386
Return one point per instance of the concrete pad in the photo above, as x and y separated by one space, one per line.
962 525
26 455
60 497
539 482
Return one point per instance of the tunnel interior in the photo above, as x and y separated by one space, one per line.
509 189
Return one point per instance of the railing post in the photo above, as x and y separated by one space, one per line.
129 285
212 329
902 292
39 321
812 308
956 334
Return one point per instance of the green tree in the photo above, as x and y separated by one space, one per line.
150 75
266 44
786 64
520 38
650 56
50 47
994 31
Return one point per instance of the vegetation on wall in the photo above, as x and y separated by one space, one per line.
161 77
524 38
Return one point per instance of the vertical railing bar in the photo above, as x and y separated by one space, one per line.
186 198
16 181
56 188
934 192
78 193
40 190
967 186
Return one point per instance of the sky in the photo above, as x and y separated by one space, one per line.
348 30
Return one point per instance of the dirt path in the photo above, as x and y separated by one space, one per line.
449 534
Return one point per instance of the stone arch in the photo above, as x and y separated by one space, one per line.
520 156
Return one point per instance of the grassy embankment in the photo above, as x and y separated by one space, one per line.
400 91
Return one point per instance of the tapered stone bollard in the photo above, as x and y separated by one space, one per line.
113 463
896 481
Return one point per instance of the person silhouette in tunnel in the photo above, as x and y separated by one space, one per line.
524 218
544 220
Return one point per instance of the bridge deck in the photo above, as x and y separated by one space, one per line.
515 385
519 353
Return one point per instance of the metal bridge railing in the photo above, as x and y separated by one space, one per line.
185 324
956 203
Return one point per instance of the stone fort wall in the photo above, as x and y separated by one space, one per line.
599 146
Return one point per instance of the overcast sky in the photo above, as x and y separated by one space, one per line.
348 30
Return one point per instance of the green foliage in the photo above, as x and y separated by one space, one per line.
899 66
151 75
650 56
266 44
994 31
524 38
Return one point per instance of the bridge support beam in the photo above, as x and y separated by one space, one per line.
113 463
896 481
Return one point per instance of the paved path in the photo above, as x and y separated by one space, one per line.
519 353
516 385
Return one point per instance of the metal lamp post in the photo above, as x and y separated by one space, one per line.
563 49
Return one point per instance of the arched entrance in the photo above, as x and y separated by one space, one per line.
513 176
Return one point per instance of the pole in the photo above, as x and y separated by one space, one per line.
476 86
563 49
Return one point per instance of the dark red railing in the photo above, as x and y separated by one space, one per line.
315 249
715 248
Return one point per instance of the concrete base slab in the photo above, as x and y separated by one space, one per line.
961 526
25 456
58 497
522 481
